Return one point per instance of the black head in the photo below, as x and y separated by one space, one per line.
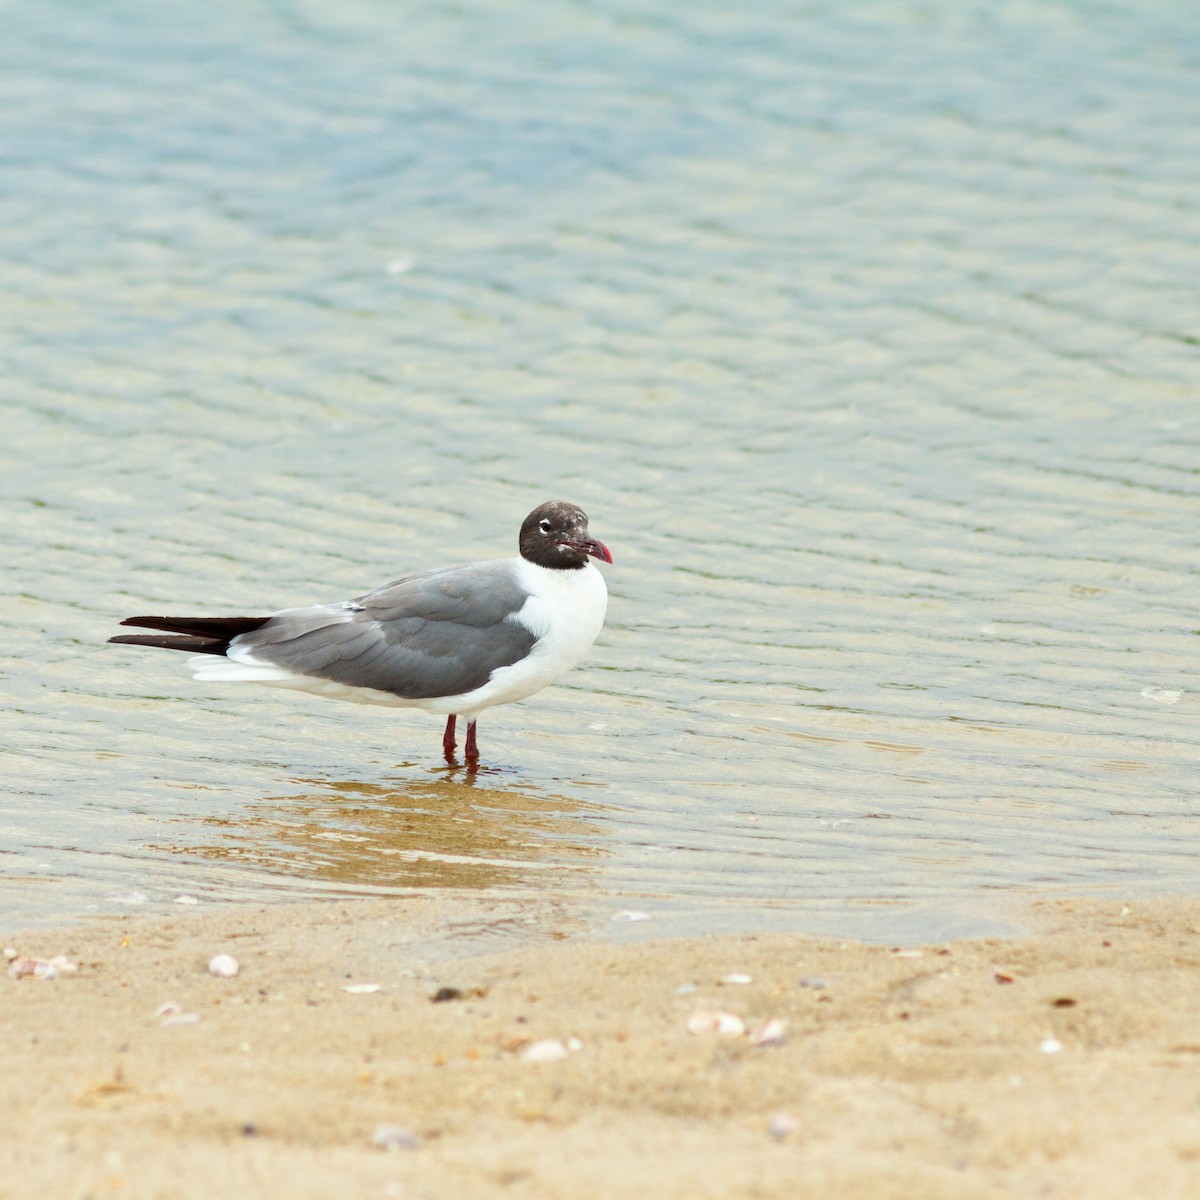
556 535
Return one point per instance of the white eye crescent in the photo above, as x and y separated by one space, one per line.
544 525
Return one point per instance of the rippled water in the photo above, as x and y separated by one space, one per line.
867 335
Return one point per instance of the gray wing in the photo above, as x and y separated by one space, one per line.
441 633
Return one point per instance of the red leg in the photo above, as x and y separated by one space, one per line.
472 748
448 737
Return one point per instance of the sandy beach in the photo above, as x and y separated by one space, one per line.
360 1051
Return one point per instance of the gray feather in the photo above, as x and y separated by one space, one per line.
440 633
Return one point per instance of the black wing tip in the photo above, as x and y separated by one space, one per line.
192 643
226 627
196 635
142 622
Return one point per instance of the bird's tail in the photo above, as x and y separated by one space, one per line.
197 635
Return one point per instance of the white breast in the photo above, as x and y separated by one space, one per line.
564 611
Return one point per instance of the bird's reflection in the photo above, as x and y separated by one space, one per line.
459 829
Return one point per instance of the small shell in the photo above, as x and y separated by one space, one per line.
181 1019
724 1023
32 968
358 989
769 1033
781 1125
395 1137
548 1050
1050 1046
223 966
631 915
171 1013
736 977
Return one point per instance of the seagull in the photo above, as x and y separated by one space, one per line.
456 640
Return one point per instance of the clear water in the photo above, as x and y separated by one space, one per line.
868 336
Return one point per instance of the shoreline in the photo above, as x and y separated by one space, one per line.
1060 1062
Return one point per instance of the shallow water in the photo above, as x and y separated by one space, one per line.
868 339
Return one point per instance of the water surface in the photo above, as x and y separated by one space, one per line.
867 337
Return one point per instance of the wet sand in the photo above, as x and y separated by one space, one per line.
1066 1063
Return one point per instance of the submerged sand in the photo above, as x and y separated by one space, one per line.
1061 1064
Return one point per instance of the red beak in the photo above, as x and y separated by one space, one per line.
594 548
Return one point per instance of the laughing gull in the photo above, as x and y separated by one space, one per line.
454 641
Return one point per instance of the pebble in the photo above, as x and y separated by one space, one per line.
223 966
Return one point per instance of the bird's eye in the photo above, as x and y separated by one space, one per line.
544 525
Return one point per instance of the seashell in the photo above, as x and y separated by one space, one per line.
781 1125
171 1013
769 1033
631 915
359 989
724 1023
223 966
32 968
1050 1046
736 977
548 1050
395 1137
